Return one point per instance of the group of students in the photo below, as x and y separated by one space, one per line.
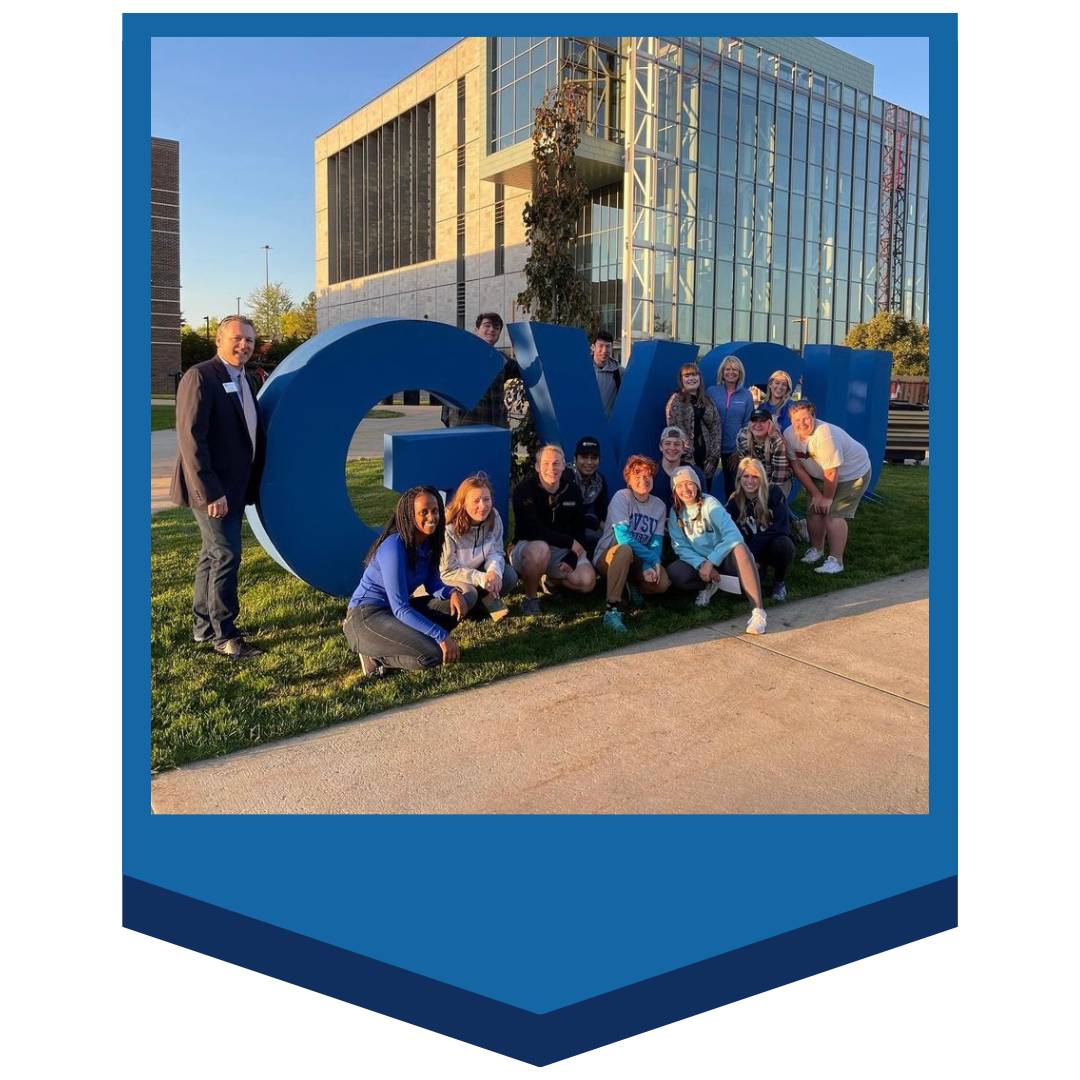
433 567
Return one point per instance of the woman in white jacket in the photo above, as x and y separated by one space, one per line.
472 558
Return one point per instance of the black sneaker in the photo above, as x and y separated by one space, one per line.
236 649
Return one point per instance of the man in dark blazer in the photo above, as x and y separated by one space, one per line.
220 446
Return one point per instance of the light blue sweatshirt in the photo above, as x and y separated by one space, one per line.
703 532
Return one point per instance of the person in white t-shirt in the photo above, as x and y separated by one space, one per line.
835 470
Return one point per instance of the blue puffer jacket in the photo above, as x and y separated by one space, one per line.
734 416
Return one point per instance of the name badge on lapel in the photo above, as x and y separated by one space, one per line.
230 388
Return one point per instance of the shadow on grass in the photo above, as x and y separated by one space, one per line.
203 705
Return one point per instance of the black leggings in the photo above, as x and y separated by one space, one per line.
375 632
686 579
779 553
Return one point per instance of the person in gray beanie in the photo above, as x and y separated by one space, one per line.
707 543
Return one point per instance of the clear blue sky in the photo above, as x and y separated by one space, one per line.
246 112
901 68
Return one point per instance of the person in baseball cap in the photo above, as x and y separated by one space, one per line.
673 451
594 491
761 439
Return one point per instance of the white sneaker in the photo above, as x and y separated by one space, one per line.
830 566
756 625
812 555
702 599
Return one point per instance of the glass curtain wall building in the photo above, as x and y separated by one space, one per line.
767 201
742 189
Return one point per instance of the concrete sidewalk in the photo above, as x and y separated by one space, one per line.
366 442
826 713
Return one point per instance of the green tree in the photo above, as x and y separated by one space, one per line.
267 306
200 327
300 322
909 342
555 291
194 348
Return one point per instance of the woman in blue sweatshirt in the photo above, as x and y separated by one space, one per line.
386 625
707 542
734 404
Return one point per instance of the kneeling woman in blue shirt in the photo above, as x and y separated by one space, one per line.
386 625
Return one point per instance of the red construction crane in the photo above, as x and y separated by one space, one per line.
892 216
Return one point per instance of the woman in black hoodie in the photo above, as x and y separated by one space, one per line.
760 511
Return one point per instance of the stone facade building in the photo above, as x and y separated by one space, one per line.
164 264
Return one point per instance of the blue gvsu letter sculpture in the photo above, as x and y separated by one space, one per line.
317 397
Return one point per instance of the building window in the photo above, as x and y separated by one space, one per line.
500 229
785 180
599 253
523 70
381 198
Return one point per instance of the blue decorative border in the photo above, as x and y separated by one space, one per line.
322 895
539 1038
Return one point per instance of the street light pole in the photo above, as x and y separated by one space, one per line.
238 305
801 320
266 248
207 318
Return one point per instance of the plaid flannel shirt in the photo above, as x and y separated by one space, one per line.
772 454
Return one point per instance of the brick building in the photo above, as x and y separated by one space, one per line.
164 264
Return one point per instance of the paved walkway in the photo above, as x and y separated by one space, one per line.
367 442
826 713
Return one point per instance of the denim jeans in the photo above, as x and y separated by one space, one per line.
216 604
375 632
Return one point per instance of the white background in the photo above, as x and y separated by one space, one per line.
84 996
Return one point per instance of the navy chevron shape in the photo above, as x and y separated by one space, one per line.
539 1038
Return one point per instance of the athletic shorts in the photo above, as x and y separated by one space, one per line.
848 495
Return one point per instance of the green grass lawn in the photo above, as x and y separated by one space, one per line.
203 705
163 417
